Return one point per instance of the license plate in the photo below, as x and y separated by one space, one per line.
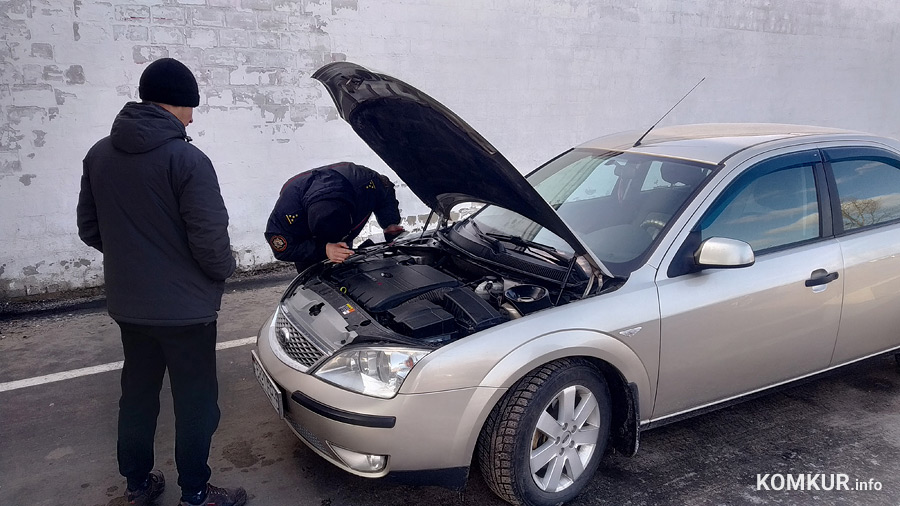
268 385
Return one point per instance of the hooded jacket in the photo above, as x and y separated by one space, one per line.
360 189
150 202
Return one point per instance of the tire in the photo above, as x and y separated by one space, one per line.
528 426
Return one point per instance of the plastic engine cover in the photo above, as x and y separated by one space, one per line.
421 319
380 286
470 310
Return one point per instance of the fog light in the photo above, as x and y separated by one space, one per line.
362 462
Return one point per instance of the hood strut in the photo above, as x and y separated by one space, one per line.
427 221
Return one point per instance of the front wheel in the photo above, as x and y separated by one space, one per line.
544 441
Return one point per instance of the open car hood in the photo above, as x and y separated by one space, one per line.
443 160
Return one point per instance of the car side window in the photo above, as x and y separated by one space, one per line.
868 186
768 207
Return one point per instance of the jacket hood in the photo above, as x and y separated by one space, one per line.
443 160
142 127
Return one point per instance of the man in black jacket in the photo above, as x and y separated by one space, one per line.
150 202
319 212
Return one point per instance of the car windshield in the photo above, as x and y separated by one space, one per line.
616 203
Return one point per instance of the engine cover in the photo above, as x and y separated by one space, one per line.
381 285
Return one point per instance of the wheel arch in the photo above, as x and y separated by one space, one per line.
625 376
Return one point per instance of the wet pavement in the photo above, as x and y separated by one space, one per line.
57 440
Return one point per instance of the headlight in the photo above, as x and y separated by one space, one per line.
378 372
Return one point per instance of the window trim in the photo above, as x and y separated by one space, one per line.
826 202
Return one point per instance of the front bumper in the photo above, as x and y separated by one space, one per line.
427 438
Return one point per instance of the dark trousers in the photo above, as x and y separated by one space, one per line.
189 353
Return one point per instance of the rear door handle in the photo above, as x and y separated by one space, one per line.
821 277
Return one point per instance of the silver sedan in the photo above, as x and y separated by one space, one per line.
627 283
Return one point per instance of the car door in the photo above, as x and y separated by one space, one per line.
867 183
726 332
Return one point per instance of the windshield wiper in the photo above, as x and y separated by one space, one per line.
494 244
518 241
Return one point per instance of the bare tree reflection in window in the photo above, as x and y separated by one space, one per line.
863 212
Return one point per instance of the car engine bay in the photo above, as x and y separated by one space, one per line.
436 290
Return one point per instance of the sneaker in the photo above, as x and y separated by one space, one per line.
216 496
156 483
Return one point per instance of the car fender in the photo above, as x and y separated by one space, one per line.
547 348
571 343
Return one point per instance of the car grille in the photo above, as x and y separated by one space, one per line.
296 345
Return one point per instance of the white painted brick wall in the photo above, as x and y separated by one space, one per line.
534 77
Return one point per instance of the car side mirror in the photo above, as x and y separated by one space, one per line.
721 252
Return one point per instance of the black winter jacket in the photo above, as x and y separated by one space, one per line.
150 202
358 187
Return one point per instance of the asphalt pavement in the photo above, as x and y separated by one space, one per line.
58 402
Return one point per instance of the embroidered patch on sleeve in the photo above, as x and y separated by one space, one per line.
278 243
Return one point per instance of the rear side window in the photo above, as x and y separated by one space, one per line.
868 186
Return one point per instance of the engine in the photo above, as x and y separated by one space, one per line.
424 294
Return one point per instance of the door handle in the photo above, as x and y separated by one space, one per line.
821 277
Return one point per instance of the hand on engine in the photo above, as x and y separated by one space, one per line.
394 229
391 232
337 252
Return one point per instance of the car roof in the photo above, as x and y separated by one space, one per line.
709 142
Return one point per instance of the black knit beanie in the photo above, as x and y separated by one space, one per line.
168 81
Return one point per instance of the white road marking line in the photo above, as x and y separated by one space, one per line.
237 342
60 376
87 371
